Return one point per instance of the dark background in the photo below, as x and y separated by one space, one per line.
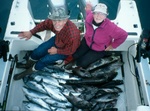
39 6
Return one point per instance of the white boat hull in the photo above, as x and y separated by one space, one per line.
134 95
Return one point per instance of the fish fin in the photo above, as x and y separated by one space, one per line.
41 81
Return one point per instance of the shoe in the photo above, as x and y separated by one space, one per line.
23 74
29 64
21 65
69 65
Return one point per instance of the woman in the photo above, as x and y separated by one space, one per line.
101 35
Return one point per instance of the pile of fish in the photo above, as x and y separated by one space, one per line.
91 89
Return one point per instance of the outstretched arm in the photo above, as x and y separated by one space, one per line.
88 6
25 35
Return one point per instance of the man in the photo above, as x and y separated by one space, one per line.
64 43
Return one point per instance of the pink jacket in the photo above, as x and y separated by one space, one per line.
107 33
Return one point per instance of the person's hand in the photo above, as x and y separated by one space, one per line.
25 35
88 6
52 50
109 48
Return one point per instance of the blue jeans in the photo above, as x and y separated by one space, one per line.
43 57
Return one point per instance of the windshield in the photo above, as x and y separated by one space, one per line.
42 8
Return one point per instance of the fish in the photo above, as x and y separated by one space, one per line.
103 75
97 106
81 72
38 101
107 69
52 69
30 106
113 94
79 88
107 97
65 76
45 78
33 93
110 109
102 91
89 93
95 89
67 91
110 105
104 100
113 83
102 63
35 86
61 109
100 106
78 102
55 103
54 92
75 89
94 81
58 74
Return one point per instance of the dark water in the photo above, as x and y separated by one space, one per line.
4 13
144 12
39 6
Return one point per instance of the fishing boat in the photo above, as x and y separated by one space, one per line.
134 72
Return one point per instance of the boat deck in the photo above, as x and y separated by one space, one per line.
16 95
127 18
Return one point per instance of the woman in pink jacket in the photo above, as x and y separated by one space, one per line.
101 35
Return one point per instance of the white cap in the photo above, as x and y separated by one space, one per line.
101 8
